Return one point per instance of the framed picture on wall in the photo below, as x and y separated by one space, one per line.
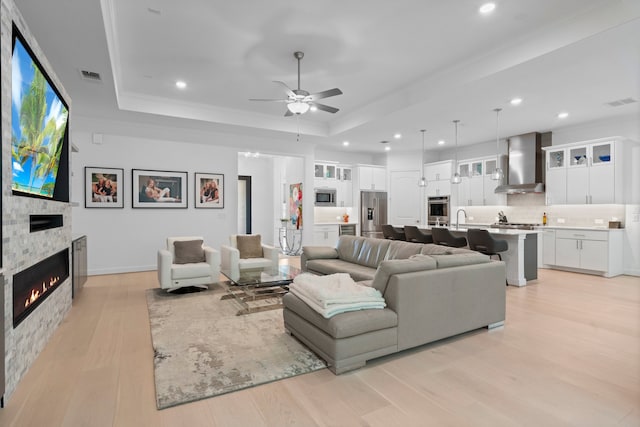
103 187
209 190
158 189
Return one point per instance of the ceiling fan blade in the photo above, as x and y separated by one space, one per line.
325 107
324 94
286 88
288 113
270 100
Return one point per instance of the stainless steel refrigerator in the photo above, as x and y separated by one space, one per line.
373 213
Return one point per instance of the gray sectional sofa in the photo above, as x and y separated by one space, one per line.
432 292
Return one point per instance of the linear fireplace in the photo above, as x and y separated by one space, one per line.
33 285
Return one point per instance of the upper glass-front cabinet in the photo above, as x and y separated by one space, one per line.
556 159
324 171
602 153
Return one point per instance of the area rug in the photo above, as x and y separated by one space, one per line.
202 349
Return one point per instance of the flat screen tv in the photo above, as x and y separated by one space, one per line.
39 121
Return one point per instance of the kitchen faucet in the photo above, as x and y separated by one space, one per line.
458 217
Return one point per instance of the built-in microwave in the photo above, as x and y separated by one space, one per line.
325 197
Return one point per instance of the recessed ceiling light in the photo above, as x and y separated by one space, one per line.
441 142
313 108
563 115
345 143
397 135
180 84
516 101
487 8
387 148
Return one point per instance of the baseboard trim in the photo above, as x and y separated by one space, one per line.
117 270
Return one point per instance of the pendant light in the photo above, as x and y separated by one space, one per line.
456 179
423 180
497 173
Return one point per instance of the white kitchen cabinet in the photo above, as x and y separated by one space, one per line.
326 235
438 176
583 249
589 172
345 186
549 247
438 188
372 178
477 188
325 170
491 198
438 171
556 176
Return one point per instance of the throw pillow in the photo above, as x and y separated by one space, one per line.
250 246
188 251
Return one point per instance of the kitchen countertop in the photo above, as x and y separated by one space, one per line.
571 227
335 223
463 229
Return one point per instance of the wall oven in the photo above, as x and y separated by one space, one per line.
325 197
438 210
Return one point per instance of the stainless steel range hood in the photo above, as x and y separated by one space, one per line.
526 164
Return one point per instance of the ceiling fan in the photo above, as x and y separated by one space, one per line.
300 101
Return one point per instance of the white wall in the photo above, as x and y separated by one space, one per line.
264 196
121 240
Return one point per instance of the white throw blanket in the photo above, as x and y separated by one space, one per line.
335 293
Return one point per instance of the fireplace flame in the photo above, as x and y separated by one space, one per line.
35 294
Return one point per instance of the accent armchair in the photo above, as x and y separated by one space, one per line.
247 252
187 262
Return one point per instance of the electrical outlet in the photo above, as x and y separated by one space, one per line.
599 221
560 220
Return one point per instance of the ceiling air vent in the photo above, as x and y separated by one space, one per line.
91 75
621 102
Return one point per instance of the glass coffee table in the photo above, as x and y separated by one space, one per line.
259 290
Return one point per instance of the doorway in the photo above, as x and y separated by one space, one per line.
244 204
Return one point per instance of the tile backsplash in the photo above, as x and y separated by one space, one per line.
529 209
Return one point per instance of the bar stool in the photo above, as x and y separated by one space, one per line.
392 233
442 236
414 234
482 241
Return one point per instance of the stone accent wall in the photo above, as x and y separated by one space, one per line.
20 248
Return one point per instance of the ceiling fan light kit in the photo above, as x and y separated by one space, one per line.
300 101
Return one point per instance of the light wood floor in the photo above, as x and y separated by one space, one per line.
569 355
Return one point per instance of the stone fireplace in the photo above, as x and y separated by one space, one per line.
32 286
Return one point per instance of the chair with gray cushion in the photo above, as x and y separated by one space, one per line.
414 234
442 236
186 261
393 233
482 241
247 252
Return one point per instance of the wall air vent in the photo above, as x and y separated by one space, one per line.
621 102
91 75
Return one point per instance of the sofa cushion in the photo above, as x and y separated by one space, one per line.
320 252
343 325
188 251
349 247
402 250
250 246
373 252
456 260
254 263
330 266
397 266
191 270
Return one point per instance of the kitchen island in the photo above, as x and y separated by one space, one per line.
521 258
